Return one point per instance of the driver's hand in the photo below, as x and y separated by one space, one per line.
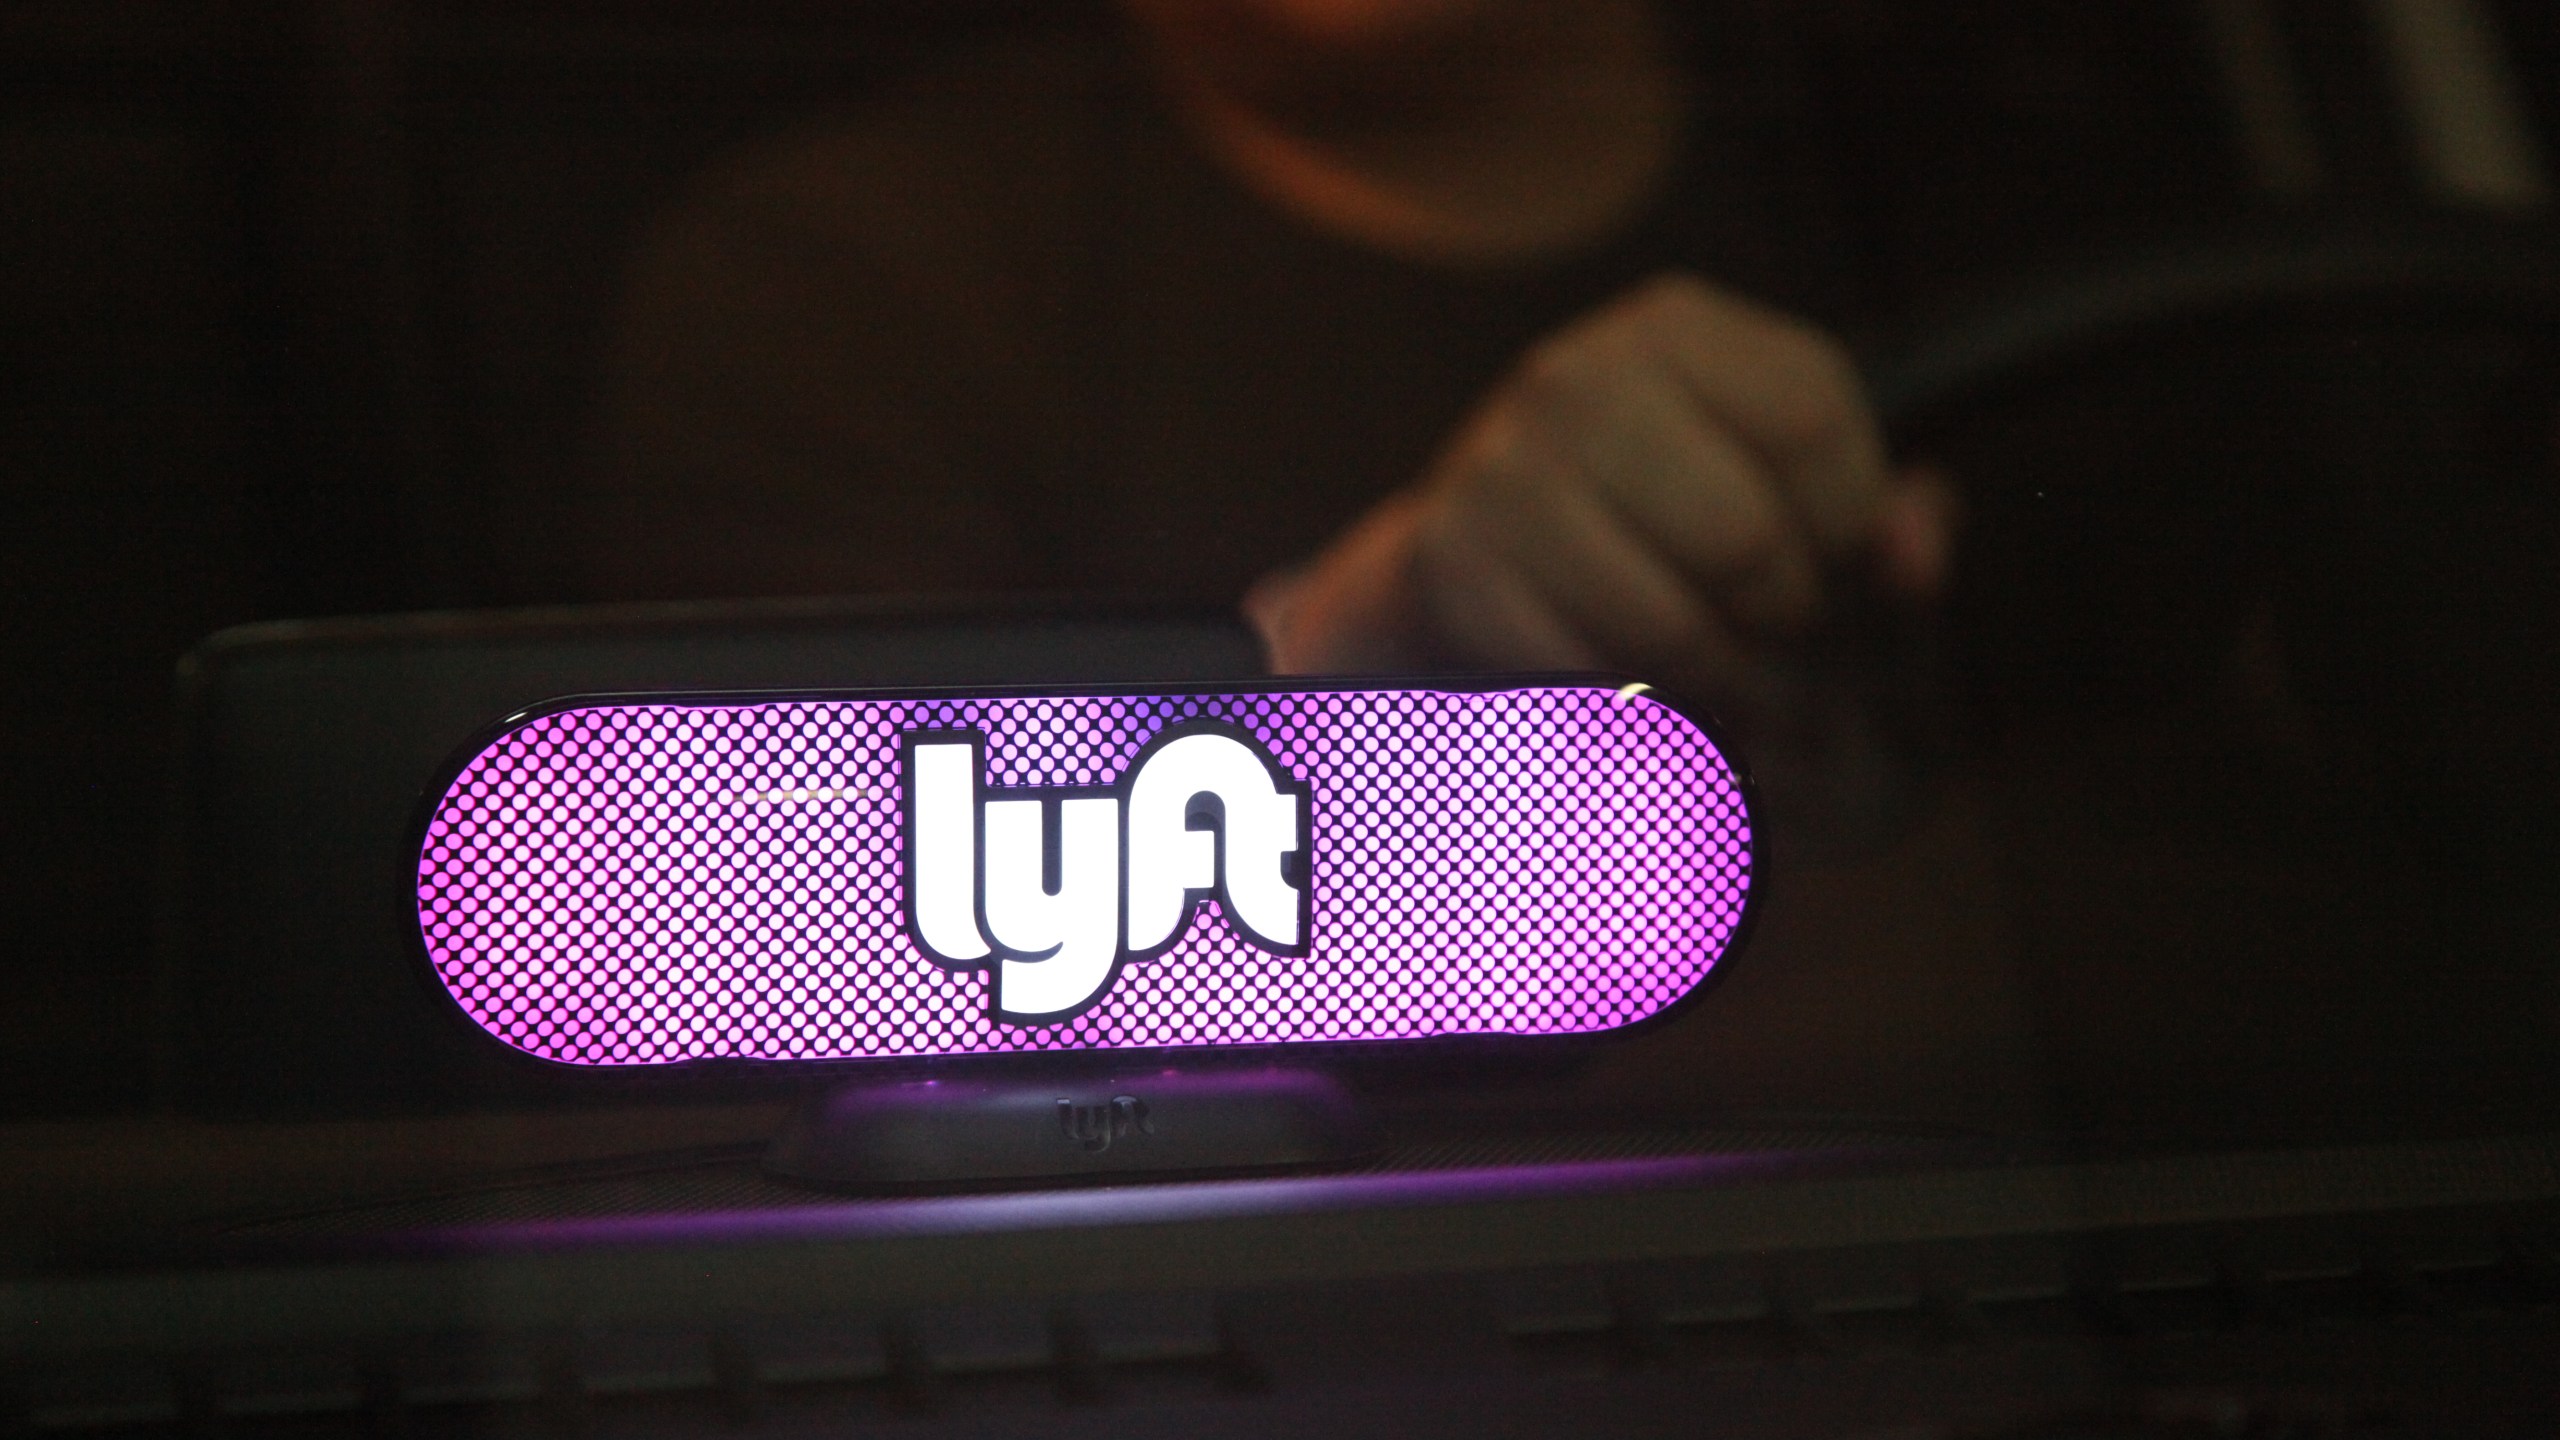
1674 486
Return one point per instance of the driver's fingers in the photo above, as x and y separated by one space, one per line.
1626 435
1915 543
1477 599
1788 393
1564 555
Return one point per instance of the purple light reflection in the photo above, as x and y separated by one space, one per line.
1128 1204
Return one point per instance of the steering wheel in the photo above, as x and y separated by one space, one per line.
2305 481
2252 652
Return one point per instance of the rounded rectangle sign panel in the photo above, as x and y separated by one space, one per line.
657 880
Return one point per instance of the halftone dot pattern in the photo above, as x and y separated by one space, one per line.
647 884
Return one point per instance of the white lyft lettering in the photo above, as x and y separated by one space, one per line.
1170 857
1053 889
942 788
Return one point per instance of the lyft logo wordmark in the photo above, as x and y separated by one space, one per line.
1053 888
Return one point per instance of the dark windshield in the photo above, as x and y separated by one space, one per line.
2093 468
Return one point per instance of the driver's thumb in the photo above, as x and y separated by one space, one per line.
1916 532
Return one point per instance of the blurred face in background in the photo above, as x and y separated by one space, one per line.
1329 63
1342 29
1345 23
1465 131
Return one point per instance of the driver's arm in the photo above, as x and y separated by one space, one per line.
1667 487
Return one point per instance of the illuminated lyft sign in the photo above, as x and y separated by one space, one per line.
1053 889
798 878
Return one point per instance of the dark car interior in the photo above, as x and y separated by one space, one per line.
2176 1052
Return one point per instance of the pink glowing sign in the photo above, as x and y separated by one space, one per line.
616 882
